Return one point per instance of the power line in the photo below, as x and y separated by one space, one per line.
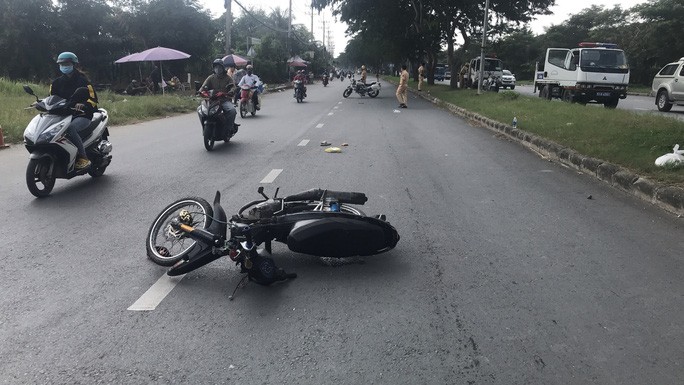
268 26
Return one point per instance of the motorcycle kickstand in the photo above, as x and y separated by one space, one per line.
240 284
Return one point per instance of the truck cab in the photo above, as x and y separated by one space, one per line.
492 67
591 73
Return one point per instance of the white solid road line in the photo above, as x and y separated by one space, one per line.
155 294
304 142
272 175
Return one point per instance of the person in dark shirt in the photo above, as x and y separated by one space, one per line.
84 103
156 77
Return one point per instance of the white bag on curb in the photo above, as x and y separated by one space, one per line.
674 159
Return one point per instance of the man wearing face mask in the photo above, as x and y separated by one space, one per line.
84 104
221 81
250 81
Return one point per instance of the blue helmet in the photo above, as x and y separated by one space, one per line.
67 56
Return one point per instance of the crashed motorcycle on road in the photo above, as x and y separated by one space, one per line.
190 233
371 89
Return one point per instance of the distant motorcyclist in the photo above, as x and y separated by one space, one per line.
221 81
250 81
300 76
85 103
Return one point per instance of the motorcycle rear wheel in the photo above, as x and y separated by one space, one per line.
346 93
38 172
374 93
208 143
166 246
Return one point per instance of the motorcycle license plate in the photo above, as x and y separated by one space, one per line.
603 94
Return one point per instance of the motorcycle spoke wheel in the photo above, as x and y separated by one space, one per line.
40 178
346 93
166 246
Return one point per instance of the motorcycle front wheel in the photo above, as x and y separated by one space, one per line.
346 93
40 177
243 110
208 143
165 245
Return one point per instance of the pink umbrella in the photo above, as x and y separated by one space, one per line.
155 54
234 60
296 61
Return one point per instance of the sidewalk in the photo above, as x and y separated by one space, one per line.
666 197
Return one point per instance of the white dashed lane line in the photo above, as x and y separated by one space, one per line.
272 175
155 294
330 113
320 125
304 142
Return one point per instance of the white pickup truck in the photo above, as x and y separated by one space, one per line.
668 86
591 73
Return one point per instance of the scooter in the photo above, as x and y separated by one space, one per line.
53 155
325 80
299 90
213 118
247 101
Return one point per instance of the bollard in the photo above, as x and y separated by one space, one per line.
2 139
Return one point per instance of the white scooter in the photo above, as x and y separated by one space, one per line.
53 155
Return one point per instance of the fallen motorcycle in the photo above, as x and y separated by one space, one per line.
190 233
371 89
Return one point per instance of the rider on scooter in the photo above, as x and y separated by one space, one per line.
250 80
221 81
300 76
85 104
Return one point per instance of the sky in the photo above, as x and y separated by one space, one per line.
301 14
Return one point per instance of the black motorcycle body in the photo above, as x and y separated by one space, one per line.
315 222
53 155
371 89
215 125
325 80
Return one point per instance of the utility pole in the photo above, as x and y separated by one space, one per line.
482 54
229 21
289 28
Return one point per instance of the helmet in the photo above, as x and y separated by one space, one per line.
218 62
249 67
67 56
363 67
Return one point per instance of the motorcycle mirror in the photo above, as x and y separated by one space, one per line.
29 91
260 190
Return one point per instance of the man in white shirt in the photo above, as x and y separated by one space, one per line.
247 83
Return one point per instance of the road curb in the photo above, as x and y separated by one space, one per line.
669 198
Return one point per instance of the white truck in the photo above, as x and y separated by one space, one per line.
492 67
591 73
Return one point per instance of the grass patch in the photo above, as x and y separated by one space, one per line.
629 139
123 109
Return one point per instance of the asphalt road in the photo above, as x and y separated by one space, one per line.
510 270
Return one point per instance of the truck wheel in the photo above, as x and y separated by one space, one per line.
612 103
662 102
568 96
